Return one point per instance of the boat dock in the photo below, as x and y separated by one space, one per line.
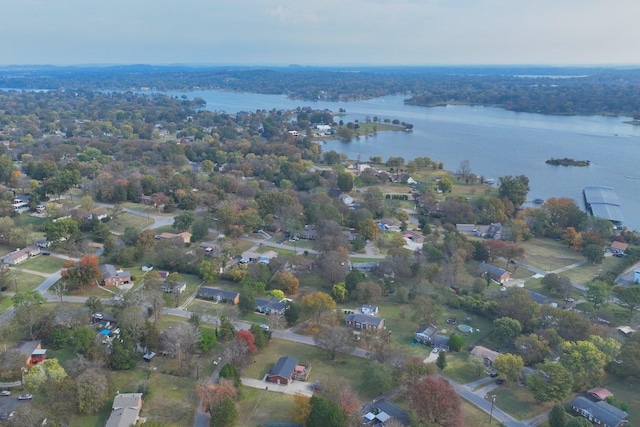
603 202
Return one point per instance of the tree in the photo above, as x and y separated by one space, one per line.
367 293
557 416
123 355
532 348
301 409
441 363
83 273
47 371
455 342
83 339
629 298
445 185
435 402
585 362
246 337
291 314
335 339
225 414
339 292
345 182
597 293
325 413
226 330
514 188
506 329
92 391
208 271
509 366
13 362
551 383
333 266
593 253
286 282
630 357
183 221
29 311
315 305
213 395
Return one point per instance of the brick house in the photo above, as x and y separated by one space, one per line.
113 277
364 322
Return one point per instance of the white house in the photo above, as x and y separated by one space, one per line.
346 199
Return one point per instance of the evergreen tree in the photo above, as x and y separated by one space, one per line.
441 363
557 416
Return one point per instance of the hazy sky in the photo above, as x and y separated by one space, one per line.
320 32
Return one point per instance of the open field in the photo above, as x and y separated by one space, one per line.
547 254
44 264
25 281
128 220
260 406
586 273
459 370
518 402
625 390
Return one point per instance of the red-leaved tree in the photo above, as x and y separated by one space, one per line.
436 402
247 337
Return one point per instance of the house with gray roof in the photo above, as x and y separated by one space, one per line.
364 322
113 277
282 371
125 410
497 274
270 306
219 295
600 413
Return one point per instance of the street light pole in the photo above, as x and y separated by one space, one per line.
493 402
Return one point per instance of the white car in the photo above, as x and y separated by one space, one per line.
5 393
265 327
435 350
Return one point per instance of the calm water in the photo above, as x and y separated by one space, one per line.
495 141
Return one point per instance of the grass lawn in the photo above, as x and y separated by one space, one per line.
5 303
25 281
547 254
586 273
348 368
98 291
260 406
473 416
128 220
518 402
459 370
24 220
44 264
171 400
625 390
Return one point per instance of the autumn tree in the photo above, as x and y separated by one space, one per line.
44 372
339 292
83 273
509 367
335 339
551 382
315 305
301 409
435 402
585 362
213 395
286 282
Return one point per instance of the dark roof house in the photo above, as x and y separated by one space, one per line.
600 413
424 334
497 274
125 410
219 295
364 322
283 370
270 306
113 277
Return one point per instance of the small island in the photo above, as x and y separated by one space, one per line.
567 162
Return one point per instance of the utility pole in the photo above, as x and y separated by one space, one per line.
493 402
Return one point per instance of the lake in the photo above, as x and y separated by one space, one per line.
496 142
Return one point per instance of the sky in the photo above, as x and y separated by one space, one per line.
320 32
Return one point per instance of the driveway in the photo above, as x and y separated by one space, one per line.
294 387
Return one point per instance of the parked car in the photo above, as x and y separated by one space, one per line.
98 316
5 393
499 381
45 253
569 300
493 374
217 360
264 326
435 350
25 397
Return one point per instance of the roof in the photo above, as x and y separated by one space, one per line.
619 246
493 269
363 318
626 329
125 410
427 330
28 347
485 353
109 271
284 367
600 393
271 303
21 252
213 292
605 412
603 202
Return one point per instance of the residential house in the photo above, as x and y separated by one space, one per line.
147 267
600 413
369 310
20 255
364 322
33 350
146 200
488 356
626 330
382 409
424 334
413 236
283 370
270 306
497 274
113 277
219 295
125 410
440 341
99 213
619 247
178 288
309 234
179 239
491 231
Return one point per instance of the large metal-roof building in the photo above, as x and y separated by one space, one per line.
603 202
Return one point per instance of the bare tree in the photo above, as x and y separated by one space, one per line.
335 339
182 341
